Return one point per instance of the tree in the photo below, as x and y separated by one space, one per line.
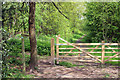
14 15
32 35
103 21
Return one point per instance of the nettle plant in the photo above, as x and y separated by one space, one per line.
5 50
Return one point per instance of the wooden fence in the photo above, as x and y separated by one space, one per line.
101 46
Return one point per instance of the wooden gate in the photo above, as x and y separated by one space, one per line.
102 55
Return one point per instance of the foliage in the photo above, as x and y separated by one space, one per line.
5 52
43 45
103 21
16 73
43 48
75 37
100 22
15 44
48 20
15 17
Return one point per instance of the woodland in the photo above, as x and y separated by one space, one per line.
27 29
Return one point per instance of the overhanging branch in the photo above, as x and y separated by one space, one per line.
59 10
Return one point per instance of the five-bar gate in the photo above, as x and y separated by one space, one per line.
105 51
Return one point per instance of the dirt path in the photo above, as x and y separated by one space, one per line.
79 40
46 70
86 70
82 46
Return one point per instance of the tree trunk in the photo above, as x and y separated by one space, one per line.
32 36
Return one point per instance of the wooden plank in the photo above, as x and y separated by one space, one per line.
87 56
79 48
52 52
112 56
112 49
103 52
89 48
57 49
112 52
80 60
115 60
85 60
89 44
23 53
69 51
79 56
89 52
95 48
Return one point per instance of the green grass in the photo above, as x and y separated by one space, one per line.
43 44
20 75
16 73
76 36
106 75
67 64
113 63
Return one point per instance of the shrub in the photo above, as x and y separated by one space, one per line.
43 47
27 44
77 36
5 52
15 45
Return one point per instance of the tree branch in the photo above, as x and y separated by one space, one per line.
59 10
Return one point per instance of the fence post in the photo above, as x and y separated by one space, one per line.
23 53
103 52
57 49
52 52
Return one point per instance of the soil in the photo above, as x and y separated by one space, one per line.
91 70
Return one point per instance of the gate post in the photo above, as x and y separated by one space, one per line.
23 52
103 52
57 49
52 52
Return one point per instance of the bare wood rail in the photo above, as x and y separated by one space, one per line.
89 52
89 48
88 56
76 46
89 44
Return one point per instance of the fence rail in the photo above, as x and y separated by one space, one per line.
89 48
89 44
99 46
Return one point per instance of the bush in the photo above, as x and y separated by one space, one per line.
15 45
43 47
27 44
17 74
77 36
5 52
